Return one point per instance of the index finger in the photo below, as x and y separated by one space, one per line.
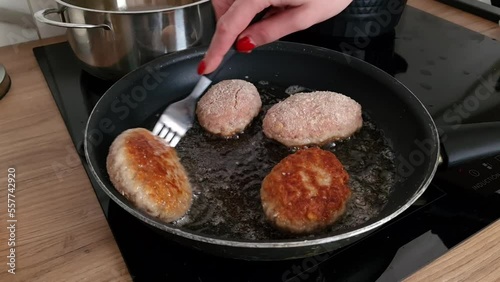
230 25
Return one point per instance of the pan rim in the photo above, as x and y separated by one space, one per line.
283 243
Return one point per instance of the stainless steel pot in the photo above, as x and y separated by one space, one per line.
113 37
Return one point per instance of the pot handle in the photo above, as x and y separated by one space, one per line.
467 142
41 17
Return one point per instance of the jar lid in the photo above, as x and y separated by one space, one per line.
4 81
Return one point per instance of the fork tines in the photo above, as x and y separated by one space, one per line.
169 134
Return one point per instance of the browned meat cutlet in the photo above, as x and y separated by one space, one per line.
306 191
148 172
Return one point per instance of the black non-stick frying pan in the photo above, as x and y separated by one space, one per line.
391 160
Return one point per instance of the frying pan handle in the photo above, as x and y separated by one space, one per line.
467 142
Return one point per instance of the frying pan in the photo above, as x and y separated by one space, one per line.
402 122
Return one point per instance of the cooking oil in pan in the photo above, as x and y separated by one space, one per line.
226 175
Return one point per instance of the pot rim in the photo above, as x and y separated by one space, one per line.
64 3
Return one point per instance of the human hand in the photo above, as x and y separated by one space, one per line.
284 17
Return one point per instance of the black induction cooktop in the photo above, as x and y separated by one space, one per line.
445 65
488 9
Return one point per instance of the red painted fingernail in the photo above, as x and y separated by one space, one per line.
245 44
201 67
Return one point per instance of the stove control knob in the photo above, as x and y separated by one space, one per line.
4 81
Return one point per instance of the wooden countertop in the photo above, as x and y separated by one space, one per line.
61 232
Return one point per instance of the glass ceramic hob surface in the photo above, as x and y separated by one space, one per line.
443 64
488 9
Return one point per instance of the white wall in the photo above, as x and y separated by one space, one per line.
17 24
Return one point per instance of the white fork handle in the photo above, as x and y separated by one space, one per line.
200 87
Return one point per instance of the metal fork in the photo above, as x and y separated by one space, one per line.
178 117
